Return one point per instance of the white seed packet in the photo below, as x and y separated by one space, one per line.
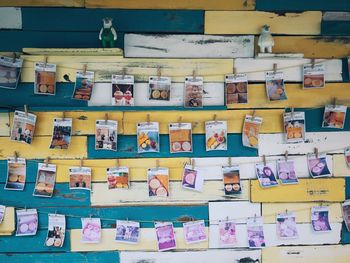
80 178
216 135
118 177
123 93
147 137
236 87
2 212
16 174
158 182
27 222
180 137
91 231
194 232
294 127
227 233
23 127
286 172
159 88
232 181
251 130
313 76
193 95
334 116
286 226
56 230
44 78
165 235
84 85
255 231
318 166
266 174
192 179
45 180
62 133
106 135
127 232
275 87
10 71
346 213
319 219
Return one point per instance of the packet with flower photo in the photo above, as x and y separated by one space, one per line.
180 137
83 85
286 172
158 182
106 135
2 212
91 230
23 127
236 86
45 180
294 127
123 93
346 213
127 232
62 133
255 231
56 230
227 233
334 116
318 166
251 130
27 222
192 179
194 232
10 71
80 178
216 135
193 92
347 156
319 219
45 78
266 174
286 226
232 181
313 76
275 87
159 88
147 137
118 177
165 236
16 174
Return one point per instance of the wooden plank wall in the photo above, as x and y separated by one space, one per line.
211 37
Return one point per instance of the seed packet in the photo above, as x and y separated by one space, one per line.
56 230
45 180
118 177
216 135
236 87
275 87
227 233
127 232
266 174
286 172
27 222
158 182
346 213
80 178
286 226
334 116
192 179
83 85
10 70
165 236
180 137
255 230
193 92
159 88
313 76
294 127
194 232
347 156
45 78
2 212
318 166
23 127
319 218
232 181
62 133
123 90
147 137
251 129
16 174
106 136
91 230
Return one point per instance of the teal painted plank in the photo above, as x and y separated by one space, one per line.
345 235
306 5
347 187
52 257
82 19
335 28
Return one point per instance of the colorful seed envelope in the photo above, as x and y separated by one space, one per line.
266 174
216 135
45 180
193 92
91 230
251 129
158 182
10 70
27 222
346 213
194 232
23 127
286 226
347 156
45 78
106 135
227 233
319 218
313 76
2 212
286 172
180 137
127 232
334 116
159 88
16 174
275 87
123 90
318 166
255 231
192 179
62 133
236 87
147 137
232 182
165 236
118 177
294 127
84 85
56 230
80 178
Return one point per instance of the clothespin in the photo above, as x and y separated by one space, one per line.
292 112
127 219
123 72
195 125
286 155
159 72
81 163
55 212
334 102
312 63
274 67
45 61
234 70
84 68
229 161
157 164
106 118
215 119
148 119
90 215
25 208
179 121
26 109
316 152
253 115
16 156
194 75
227 218
264 159
14 57
47 161
192 163
254 217
117 163
63 115
286 211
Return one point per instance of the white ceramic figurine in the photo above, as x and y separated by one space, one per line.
265 41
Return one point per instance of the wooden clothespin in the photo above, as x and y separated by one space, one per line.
274 67
117 163
26 109
157 164
179 121
253 115
215 119
192 163
45 61
81 163
286 211
229 161
254 217
227 218
159 72
264 159
334 102
123 73
195 124
47 161
312 63
16 156
234 70
14 56
194 75
286 155
63 115
316 152
292 113
84 68
106 118
90 216
148 119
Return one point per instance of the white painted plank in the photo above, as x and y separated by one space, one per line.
10 18
336 16
188 46
291 67
209 256
330 142
214 95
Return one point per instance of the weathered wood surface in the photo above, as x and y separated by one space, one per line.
8 225
51 3
291 5
74 51
10 18
339 166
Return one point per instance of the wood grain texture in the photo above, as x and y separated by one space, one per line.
74 51
53 3
4 124
8 225
308 190
291 5
339 166
10 18
250 22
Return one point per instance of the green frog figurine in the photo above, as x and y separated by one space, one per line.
107 35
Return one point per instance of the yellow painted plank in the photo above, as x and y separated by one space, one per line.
74 51
250 22
308 190
302 211
4 124
7 227
105 66
297 97
303 254
66 3
40 148
340 168
171 4
147 241
137 168
272 122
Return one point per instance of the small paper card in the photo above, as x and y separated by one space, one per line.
16 174
192 179
193 92
158 182
319 218
56 230
147 137
346 213
106 135
127 232
45 78
84 85
266 174
123 90
227 233
232 181
91 230
313 76
275 87
2 212
294 127
318 166
216 135
23 127
286 226
255 230
118 177
62 133
80 178
27 222
165 236
159 88
194 232
180 137
45 180
334 116
236 86
286 172
347 156
251 129
10 70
